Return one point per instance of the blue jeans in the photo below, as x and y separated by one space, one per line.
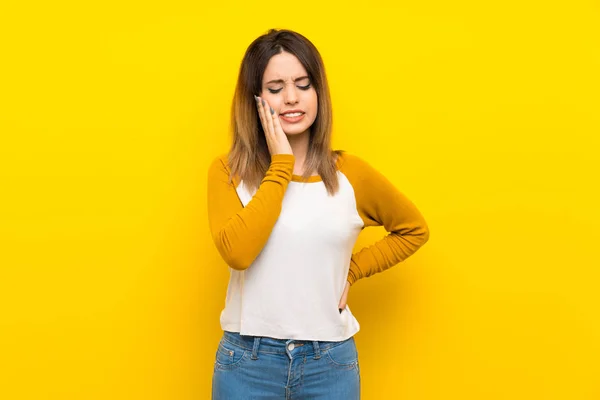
255 367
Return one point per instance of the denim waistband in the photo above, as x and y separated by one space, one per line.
278 346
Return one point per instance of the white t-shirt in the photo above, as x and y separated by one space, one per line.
293 278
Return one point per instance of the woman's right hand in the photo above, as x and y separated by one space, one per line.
277 141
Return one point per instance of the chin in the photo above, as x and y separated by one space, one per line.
296 130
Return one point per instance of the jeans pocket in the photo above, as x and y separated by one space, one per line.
344 355
229 356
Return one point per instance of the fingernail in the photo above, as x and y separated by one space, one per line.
263 102
340 310
256 98
272 111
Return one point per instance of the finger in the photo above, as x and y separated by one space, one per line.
344 298
277 123
268 129
268 132
261 114
269 112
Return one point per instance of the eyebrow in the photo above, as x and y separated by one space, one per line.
282 81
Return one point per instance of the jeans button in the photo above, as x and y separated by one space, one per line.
291 346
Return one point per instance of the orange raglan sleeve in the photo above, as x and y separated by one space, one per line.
239 232
380 203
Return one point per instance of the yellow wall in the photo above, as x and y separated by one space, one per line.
486 115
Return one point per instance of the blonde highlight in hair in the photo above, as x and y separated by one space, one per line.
249 156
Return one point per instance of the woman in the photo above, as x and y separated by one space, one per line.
285 212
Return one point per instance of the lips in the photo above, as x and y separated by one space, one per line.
295 110
292 120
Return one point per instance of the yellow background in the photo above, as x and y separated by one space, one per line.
487 115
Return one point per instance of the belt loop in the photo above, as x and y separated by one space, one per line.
255 348
317 350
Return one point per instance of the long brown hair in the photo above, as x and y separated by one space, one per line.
249 156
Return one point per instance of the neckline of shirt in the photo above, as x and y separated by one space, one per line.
316 178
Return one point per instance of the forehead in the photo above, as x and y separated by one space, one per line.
284 66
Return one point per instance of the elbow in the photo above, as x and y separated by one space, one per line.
420 233
235 254
236 261
425 233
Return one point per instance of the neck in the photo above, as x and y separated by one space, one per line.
299 145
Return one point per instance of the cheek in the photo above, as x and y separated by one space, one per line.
312 100
272 99
314 106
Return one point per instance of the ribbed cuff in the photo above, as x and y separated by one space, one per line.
283 158
281 168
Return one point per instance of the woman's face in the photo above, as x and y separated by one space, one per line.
286 87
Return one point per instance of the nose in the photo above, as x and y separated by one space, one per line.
290 96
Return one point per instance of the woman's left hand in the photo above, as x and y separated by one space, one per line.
344 298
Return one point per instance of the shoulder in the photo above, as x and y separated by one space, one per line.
362 175
219 165
352 163
220 161
219 169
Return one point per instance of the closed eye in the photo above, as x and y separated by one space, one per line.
299 87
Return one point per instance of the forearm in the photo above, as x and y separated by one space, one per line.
240 232
387 252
